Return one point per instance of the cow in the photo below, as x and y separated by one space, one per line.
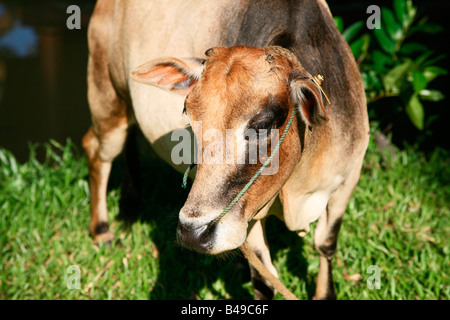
168 65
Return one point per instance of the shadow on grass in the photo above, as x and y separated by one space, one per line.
151 193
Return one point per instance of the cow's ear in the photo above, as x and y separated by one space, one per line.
307 96
172 74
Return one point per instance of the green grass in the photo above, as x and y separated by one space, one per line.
397 220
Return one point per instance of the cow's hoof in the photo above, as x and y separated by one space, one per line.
106 238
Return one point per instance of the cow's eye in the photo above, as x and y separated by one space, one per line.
263 129
264 125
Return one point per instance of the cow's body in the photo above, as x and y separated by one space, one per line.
123 35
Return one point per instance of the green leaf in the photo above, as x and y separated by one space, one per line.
392 79
400 12
434 60
366 45
386 43
360 46
371 81
415 111
431 95
394 29
380 59
423 57
432 72
376 81
356 47
339 23
350 33
419 81
412 47
367 81
430 28
411 12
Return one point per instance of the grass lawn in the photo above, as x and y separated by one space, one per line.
398 221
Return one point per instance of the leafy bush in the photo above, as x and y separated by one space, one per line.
392 64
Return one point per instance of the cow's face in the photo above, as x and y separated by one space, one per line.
239 100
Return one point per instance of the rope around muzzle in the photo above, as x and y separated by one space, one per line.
255 176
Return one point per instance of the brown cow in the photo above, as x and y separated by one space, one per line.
246 81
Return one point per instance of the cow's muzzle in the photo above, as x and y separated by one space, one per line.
199 239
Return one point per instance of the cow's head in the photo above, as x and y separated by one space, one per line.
238 88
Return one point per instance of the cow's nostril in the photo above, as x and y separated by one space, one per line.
197 239
201 230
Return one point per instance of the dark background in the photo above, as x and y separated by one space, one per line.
43 70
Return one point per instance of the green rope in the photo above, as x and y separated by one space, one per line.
255 176
185 177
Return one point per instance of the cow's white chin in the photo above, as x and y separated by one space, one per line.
227 237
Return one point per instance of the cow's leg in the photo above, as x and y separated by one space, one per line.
256 239
102 143
326 233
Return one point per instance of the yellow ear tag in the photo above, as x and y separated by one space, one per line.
318 81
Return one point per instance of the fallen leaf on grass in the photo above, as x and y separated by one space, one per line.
389 205
354 277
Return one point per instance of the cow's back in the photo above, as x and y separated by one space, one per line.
145 30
